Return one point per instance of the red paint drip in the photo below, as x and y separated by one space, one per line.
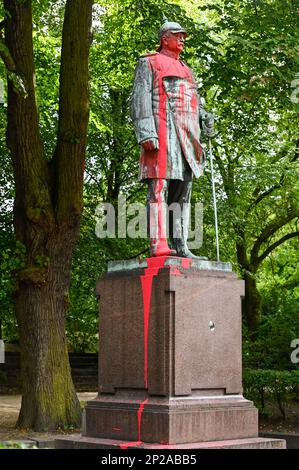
139 414
126 445
162 131
146 284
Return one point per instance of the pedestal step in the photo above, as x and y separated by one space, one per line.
82 442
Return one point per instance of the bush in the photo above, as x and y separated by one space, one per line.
274 386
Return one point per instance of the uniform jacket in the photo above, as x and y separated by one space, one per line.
165 105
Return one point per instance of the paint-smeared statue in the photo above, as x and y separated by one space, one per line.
168 118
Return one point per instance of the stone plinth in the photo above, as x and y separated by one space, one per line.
170 354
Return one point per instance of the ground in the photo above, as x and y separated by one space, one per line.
9 411
275 423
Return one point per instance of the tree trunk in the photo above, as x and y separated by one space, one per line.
47 212
49 400
252 304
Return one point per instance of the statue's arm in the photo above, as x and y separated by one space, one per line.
141 104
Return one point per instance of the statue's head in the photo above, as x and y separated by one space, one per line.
168 28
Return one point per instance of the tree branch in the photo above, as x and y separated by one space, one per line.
276 244
269 230
69 154
266 193
6 56
32 200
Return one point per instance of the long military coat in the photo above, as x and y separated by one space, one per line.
165 105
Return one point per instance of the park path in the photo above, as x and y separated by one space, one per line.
9 410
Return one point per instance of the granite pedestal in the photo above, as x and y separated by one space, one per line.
170 371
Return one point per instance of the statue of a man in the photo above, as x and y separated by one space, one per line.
168 118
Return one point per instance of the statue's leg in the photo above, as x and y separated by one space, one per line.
179 194
157 217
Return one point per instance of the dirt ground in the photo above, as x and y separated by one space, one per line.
9 411
275 423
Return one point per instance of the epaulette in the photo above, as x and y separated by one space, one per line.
149 54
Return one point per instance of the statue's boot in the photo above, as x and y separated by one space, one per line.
159 247
157 218
179 227
183 251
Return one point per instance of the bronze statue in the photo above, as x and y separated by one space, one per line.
168 118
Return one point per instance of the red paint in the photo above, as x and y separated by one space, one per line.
186 263
125 445
154 264
161 66
162 131
194 103
139 414
175 271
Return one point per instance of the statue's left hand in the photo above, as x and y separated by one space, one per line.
208 124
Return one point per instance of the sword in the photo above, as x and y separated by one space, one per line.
214 199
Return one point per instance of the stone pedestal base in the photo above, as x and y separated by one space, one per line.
171 420
170 371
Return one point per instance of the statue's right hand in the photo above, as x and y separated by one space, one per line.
150 145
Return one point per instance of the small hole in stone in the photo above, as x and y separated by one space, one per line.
212 325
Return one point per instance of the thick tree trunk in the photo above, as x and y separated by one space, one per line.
252 304
49 400
47 211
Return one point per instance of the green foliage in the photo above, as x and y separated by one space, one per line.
11 258
270 386
17 445
278 284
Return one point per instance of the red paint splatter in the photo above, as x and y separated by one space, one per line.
125 445
194 103
175 271
162 131
186 263
139 414
161 66
154 264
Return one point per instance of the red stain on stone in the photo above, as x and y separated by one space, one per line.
126 445
139 414
194 103
186 263
154 264
175 271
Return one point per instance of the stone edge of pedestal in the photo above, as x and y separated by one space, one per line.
128 265
82 442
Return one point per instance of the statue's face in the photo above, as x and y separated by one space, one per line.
174 42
